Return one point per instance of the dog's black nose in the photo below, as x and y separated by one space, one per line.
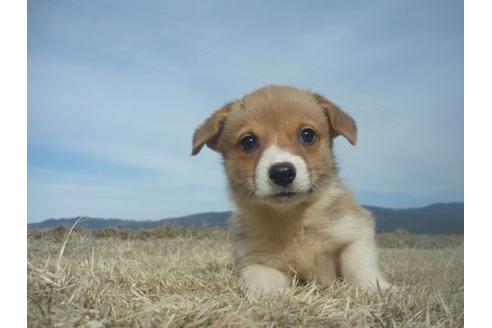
282 174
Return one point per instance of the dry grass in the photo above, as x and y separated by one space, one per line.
169 277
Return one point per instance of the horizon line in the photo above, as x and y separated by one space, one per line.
222 211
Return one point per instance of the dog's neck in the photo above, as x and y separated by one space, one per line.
271 222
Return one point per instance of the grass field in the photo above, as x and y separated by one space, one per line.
175 278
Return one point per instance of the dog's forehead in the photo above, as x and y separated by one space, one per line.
275 106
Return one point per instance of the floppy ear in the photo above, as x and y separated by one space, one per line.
208 133
341 122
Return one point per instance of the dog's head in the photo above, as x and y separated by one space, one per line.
276 143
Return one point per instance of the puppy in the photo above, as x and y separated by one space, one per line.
295 218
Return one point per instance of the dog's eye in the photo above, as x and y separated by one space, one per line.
307 136
249 143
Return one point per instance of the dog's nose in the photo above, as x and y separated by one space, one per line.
282 174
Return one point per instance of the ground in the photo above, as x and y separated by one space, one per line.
176 278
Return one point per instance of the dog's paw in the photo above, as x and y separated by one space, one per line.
261 280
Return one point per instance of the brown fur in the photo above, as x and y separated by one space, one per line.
320 236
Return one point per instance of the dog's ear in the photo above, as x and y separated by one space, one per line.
209 132
340 122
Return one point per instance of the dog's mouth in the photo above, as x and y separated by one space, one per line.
289 195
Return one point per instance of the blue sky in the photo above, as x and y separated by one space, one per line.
116 89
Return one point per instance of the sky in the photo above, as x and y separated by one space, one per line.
116 89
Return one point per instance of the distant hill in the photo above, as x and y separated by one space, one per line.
207 219
441 218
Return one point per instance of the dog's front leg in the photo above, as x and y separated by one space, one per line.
359 263
264 279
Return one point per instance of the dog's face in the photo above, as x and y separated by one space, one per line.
276 143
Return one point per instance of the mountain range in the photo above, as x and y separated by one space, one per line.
439 218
